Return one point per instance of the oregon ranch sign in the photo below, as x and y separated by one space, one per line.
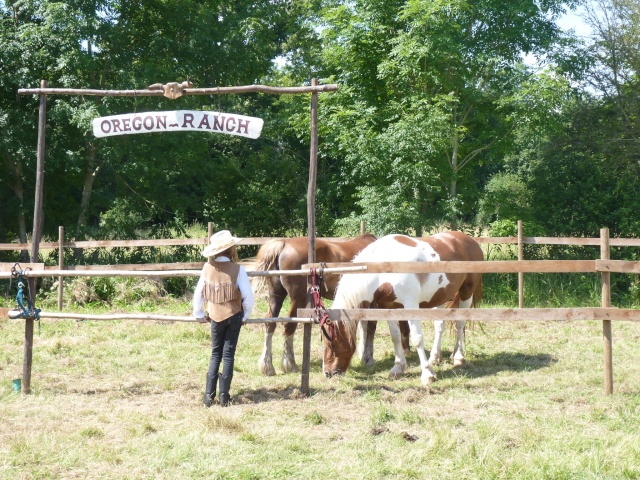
177 121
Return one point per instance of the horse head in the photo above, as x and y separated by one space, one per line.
339 343
338 351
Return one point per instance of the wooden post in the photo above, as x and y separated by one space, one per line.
35 245
60 265
363 227
520 274
606 324
209 232
311 216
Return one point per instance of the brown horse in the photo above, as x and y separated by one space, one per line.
406 290
291 254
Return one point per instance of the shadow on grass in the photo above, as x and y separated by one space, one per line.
368 378
476 367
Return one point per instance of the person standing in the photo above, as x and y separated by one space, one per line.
223 297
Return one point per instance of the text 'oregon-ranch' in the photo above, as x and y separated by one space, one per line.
176 121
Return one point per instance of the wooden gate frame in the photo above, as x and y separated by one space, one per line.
43 91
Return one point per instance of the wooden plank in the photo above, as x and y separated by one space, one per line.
174 242
185 91
617 266
482 314
109 273
501 266
52 272
146 316
7 266
136 266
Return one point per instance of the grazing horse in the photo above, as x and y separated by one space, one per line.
291 254
406 290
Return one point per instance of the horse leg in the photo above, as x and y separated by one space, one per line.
458 353
298 300
404 331
417 340
400 361
435 357
265 362
288 355
366 329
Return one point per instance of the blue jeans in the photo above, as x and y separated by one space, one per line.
224 339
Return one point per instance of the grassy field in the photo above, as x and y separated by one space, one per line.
123 400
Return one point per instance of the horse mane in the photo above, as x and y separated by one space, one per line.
266 259
366 235
351 293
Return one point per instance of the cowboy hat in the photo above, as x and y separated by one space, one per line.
219 242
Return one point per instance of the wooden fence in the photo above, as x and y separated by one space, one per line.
174 269
604 266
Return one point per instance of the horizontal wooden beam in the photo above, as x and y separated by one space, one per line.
4 313
8 266
305 315
617 266
497 266
186 91
173 273
614 242
168 242
481 314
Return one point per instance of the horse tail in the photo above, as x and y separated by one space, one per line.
267 259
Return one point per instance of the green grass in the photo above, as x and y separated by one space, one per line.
123 399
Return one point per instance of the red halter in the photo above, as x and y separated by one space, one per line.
322 316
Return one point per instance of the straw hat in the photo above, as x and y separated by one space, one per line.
219 242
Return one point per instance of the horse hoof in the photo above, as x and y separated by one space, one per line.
459 362
267 370
290 368
367 362
395 376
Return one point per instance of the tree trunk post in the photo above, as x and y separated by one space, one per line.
60 265
520 274
311 216
606 324
35 246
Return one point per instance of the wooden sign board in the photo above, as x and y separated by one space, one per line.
177 121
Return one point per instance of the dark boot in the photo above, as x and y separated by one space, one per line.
225 385
210 390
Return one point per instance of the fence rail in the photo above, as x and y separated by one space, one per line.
177 242
604 266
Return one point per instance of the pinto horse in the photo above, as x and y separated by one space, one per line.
406 290
291 254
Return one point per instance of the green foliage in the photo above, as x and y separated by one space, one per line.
437 121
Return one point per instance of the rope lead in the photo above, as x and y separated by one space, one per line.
25 308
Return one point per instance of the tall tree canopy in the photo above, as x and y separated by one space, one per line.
423 99
437 119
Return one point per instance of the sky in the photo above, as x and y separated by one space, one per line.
572 20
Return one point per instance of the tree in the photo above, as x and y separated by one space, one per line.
429 75
128 45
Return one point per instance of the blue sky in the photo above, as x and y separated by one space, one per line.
572 20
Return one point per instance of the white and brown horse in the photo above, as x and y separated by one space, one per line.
291 254
406 290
